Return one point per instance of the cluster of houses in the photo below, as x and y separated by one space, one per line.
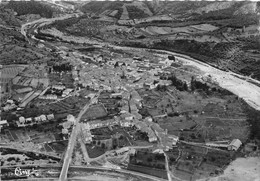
23 122
10 105
49 97
67 124
65 92
153 130
137 73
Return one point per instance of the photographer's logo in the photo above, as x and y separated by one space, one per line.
25 172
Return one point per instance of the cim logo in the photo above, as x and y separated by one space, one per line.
25 172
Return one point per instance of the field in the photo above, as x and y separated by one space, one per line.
9 72
188 30
94 112
194 162
148 170
148 159
66 79
57 147
69 105
95 151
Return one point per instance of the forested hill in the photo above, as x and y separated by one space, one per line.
31 7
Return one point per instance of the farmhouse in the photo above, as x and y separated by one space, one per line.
3 123
234 145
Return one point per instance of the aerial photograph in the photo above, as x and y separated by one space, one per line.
129 90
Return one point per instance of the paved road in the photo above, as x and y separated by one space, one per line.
72 140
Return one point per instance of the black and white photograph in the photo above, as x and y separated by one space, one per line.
129 90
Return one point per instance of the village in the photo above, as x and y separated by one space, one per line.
147 106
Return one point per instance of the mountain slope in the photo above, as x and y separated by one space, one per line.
7 17
31 7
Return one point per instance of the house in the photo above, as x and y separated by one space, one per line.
64 131
37 119
50 116
10 101
85 132
43 118
95 124
71 118
66 92
143 127
152 137
66 125
87 136
174 139
4 123
28 120
58 87
9 107
234 145
126 123
49 96
21 120
148 119
165 82
127 116
117 95
160 151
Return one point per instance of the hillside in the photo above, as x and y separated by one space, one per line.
7 17
31 7
177 9
14 49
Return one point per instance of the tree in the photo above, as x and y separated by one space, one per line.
149 159
185 86
172 159
103 145
116 64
